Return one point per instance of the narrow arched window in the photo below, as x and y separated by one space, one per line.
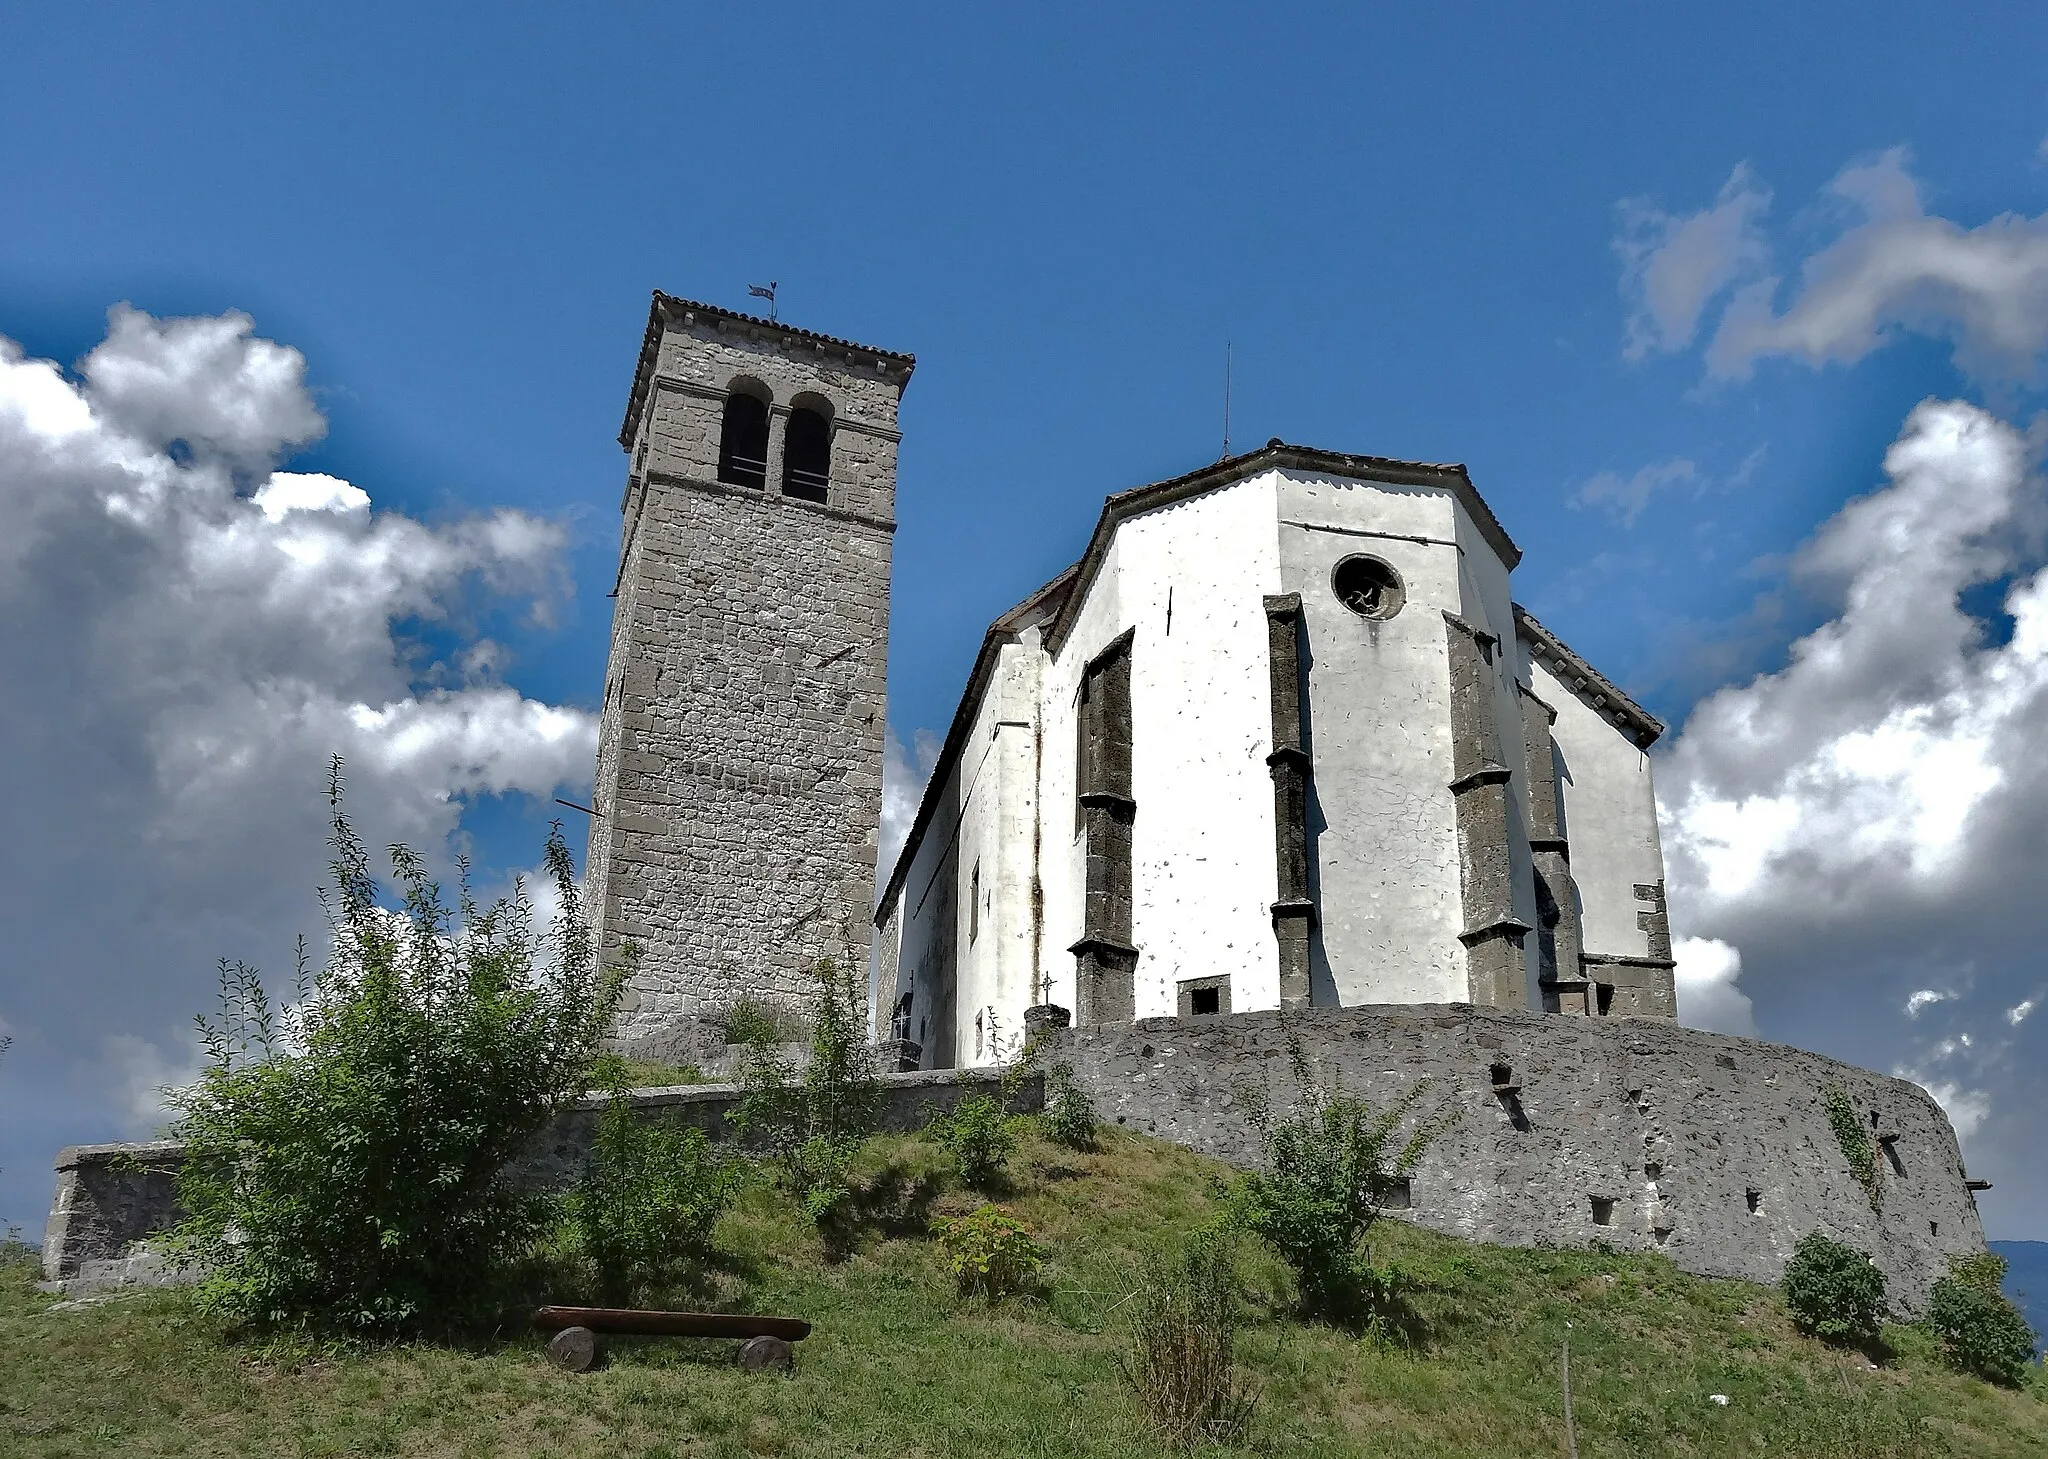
807 455
743 442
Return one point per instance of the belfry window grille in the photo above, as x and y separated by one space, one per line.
743 441
807 456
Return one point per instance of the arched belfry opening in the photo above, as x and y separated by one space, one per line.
807 450
743 437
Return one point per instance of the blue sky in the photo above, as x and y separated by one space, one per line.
1414 227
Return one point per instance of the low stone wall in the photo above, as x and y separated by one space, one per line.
111 1199
1639 1133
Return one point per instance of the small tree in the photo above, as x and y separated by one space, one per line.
651 1195
1979 1330
1834 1292
814 1127
1069 1113
992 1254
1331 1166
345 1155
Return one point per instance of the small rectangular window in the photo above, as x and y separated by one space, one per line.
974 904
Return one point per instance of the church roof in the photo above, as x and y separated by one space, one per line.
1274 455
650 346
1587 682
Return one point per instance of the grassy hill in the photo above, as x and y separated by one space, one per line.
901 1366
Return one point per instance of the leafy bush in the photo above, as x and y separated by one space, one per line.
1833 1291
650 1197
991 1253
1069 1116
814 1127
1979 1330
978 1134
1330 1169
345 1155
1180 1351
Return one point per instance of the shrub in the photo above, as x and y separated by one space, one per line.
1180 1351
991 1253
814 1127
650 1197
978 1134
1833 1291
1069 1116
345 1156
1979 1330
1330 1168
750 1021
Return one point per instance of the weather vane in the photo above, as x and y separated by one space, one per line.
768 293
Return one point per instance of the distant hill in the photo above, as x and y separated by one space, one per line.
2026 1280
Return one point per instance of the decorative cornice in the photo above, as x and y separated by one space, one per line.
1593 688
889 362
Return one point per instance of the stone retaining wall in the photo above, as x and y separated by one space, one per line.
111 1198
1639 1133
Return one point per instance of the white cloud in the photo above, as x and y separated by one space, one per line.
1876 811
142 1077
1674 265
2017 1014
190 633
904 773
1897 269
1628 495
1707 974
1967 1109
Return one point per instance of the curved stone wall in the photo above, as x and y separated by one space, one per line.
1716 1151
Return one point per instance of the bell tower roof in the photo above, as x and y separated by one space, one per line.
890 364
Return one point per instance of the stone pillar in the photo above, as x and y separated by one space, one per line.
1105 961
1560 977
1041 1018
1480 784
1294 913
778 440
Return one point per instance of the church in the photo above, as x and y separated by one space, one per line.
1281 738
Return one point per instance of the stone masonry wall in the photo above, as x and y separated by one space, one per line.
1713 1150
111 1199
739 780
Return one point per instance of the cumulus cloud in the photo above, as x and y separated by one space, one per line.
1876 811
1897 269
1674 265
192 631
1708 996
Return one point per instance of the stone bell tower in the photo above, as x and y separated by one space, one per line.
739 763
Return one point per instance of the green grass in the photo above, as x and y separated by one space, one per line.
649 1074
901 1366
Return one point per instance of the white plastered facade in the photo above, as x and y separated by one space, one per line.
978 920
